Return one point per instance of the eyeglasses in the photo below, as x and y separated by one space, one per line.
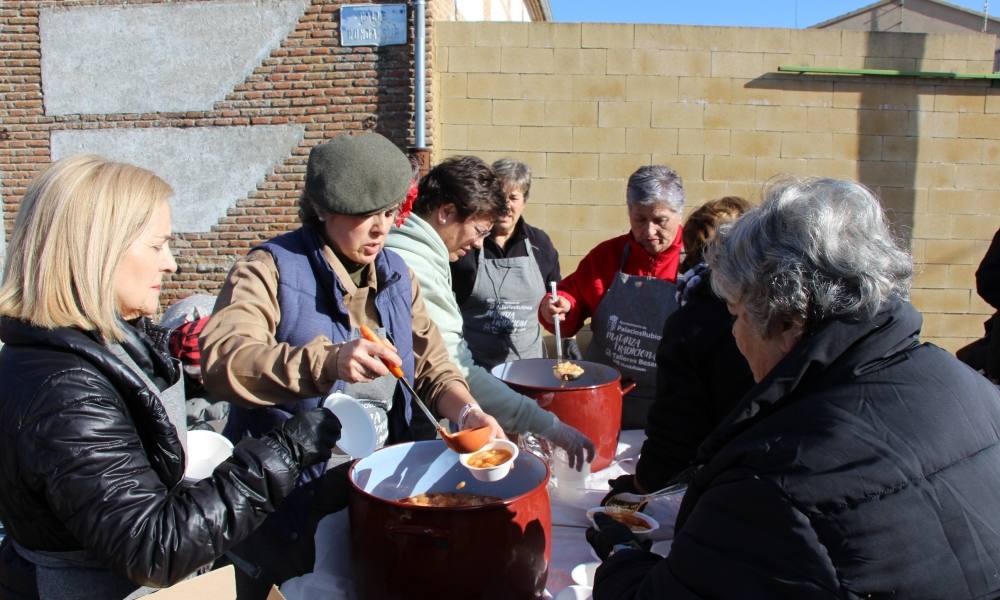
482 233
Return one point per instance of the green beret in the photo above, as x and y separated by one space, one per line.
357 175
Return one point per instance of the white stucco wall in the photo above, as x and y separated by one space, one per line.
491 10
210 168
156 58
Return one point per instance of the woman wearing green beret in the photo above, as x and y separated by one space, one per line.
285 334
456 205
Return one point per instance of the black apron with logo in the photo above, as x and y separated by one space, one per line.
627 327
500 318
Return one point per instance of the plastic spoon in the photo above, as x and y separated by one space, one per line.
463 442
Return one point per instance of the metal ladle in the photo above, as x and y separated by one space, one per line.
559 356
463 442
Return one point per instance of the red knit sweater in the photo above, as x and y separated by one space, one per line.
586 286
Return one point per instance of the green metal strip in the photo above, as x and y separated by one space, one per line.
888 73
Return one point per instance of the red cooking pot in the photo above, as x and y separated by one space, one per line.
592 403
499 551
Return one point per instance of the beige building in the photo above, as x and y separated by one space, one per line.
586 104
917 16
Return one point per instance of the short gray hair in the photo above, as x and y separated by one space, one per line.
656 183
815 249
513 173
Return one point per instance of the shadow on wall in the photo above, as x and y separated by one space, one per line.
891 115
893 173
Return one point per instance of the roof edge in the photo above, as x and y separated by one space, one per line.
540 10
868 7
853 13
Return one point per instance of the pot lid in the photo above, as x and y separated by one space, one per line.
537 373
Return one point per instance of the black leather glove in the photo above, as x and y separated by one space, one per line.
571 349
610 533
309 436
625 484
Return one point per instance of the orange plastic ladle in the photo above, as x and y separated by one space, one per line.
463 442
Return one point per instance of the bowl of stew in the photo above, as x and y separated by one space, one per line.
492 462
639 523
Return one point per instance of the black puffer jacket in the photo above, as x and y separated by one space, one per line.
89 461
700 377
865 465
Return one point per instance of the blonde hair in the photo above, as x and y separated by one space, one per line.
76 222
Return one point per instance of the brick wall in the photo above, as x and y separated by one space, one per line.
585 105
310 80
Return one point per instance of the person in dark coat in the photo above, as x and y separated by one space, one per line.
863 463
984 354
701 374
92 432
988 286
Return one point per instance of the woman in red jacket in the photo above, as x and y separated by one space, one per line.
625 286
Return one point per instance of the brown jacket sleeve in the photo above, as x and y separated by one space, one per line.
242 361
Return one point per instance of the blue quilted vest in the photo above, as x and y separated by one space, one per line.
311 300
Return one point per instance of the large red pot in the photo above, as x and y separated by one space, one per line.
494 552
592 403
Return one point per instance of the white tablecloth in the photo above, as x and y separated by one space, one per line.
569 520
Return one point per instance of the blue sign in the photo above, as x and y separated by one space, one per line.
373 24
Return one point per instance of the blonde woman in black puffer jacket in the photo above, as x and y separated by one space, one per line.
91 424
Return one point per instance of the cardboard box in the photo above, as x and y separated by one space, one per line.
219 584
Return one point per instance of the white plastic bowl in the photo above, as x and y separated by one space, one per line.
205 451
583 573
491 473
357 432
653 525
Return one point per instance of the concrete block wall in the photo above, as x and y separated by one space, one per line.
270 80
586 104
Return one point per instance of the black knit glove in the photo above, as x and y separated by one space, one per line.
624 484
309 436
610 533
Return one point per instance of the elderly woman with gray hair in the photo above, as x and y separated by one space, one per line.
625 285
863 463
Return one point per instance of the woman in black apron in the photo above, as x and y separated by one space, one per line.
625 286
498 285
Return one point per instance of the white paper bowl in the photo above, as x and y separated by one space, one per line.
357 432
491 473
575 592
205 451
583 573
653 525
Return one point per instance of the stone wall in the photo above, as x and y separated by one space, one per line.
222 98
586 104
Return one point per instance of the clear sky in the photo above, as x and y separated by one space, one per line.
748 13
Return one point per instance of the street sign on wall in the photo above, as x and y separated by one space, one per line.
373 24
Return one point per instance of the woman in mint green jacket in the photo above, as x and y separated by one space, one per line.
456 205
